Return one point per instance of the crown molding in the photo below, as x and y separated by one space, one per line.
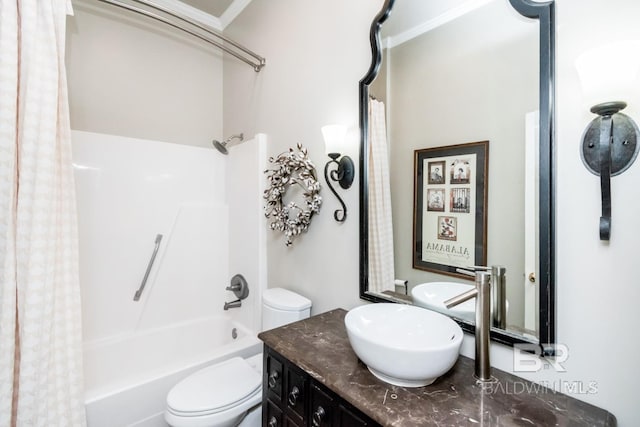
191 12
438 21
232 12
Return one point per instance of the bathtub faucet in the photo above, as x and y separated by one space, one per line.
233 304
240 288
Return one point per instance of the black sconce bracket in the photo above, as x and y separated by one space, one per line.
609 147
343 174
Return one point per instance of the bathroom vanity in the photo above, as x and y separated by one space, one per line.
312 377
293 398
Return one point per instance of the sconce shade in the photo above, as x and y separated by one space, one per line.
334 138
610 72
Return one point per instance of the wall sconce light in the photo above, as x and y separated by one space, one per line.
610 142
344 172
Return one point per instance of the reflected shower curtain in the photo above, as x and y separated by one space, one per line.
381 272
40 335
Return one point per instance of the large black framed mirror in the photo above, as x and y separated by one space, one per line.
447 74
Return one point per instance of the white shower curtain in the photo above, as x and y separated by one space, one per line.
381 271
40 335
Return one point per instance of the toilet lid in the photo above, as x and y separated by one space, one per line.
283 299
215 388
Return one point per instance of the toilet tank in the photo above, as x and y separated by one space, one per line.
281 306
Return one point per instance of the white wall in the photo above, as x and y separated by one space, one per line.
316 53
132 76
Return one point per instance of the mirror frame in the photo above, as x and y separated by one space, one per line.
544 12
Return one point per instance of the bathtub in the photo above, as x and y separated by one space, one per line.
128 377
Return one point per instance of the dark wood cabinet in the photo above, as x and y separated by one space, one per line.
285 390
291 398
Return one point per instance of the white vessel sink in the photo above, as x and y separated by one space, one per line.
432 295
402 344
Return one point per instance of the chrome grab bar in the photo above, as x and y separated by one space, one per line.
138 293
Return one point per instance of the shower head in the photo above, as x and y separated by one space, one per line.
222 146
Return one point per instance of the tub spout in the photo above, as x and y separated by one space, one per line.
233 304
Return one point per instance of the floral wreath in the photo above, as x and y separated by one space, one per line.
291 168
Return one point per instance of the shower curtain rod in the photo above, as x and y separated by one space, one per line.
244 54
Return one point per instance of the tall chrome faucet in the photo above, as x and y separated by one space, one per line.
482 293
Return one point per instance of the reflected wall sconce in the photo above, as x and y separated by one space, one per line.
610 141
344 171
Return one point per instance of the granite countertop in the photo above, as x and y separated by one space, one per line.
320 346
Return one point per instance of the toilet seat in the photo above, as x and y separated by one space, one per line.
214 411
232 385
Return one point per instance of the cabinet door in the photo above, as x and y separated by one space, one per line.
271 415
323 408
296 391
273 378
290 422
348 418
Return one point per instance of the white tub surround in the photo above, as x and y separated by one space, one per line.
207 208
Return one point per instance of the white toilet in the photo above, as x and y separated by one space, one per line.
229 393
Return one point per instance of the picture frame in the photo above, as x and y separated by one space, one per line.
435 199
450 208
436 172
